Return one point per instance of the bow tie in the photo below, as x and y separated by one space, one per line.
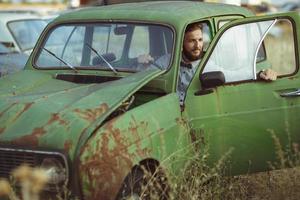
187 65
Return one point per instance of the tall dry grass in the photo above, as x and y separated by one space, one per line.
200 181
31 182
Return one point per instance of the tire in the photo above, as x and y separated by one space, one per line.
144 184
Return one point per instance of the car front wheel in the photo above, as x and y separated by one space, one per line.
144 184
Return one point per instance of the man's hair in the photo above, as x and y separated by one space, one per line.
194 26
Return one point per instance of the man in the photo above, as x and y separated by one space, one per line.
192 52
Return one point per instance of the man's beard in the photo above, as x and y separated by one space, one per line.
190 56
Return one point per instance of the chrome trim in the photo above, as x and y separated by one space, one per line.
295 93
258 46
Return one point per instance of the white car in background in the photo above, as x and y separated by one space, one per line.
11 61
19 31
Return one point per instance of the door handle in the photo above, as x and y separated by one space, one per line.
291 94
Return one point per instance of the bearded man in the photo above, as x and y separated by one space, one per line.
192 52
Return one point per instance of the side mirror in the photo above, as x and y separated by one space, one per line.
212 79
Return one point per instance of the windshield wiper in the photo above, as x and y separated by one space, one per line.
60 59
96 52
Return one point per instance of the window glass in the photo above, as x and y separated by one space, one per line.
110 41
96 46
235 51
207 37
140 42
72 51
280 49
245 49
223 22
26 32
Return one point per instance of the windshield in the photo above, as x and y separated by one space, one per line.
105 46
26 32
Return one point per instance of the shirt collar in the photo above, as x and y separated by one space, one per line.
190 65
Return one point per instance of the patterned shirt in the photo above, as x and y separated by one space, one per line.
186 73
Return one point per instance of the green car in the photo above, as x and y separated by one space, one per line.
86 110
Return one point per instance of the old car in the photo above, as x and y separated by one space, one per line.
83 109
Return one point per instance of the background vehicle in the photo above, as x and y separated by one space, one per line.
89 113
11 61
20 31
290 6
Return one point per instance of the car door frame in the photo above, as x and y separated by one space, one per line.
217 115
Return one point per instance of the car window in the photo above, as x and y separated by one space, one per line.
223 22
26 32
140 43
245 49
280 48
207 35
94 45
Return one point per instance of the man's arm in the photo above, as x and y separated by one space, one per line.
268 75
145 59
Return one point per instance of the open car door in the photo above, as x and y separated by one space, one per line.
245 114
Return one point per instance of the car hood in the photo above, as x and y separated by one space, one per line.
37 110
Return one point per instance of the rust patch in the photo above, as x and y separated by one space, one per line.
181 121
68 145
2 130
55 117
107 165
26 107
92 114
105 159
32 139
134 130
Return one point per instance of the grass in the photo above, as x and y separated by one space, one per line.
199 181
30 180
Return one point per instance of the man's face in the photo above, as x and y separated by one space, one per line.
192 45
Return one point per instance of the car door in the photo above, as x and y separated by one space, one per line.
251 118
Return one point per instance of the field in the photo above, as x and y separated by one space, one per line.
200 182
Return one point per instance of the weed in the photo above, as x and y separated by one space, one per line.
31 181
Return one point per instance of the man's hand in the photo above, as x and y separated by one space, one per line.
145 59
268 75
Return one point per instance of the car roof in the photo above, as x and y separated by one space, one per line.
171 12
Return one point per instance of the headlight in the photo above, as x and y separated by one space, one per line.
55 171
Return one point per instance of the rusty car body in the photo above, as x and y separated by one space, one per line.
86 112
